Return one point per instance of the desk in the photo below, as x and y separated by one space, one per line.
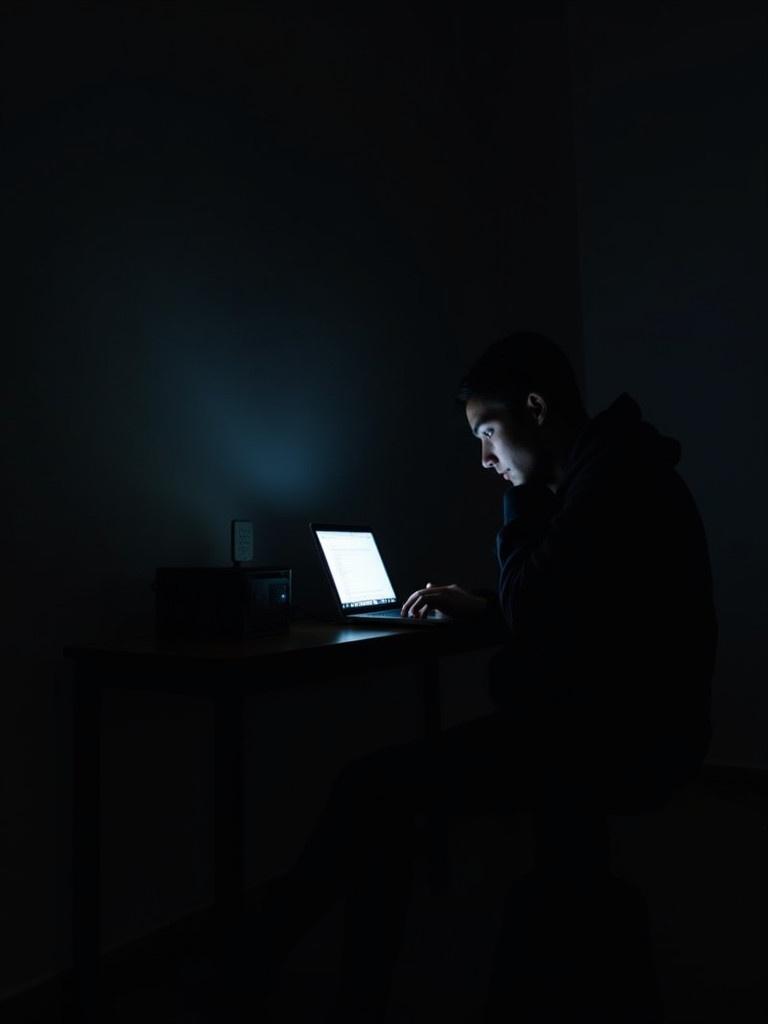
226 673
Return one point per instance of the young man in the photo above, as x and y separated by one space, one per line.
605 583
602 688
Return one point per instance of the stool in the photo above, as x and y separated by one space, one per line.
575 943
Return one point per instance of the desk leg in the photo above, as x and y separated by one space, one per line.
439 864
86 843
433 715
228 798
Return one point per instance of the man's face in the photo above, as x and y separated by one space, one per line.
510 445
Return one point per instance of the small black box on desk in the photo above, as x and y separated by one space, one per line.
227 603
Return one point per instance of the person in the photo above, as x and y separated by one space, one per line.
601 684
605 581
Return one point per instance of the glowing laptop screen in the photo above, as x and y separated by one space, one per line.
356 567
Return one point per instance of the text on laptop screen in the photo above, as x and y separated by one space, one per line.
356 568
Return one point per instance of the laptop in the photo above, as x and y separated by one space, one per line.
359 579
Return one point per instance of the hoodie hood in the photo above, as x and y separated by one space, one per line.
619 436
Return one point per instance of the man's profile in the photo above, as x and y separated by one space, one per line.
602 686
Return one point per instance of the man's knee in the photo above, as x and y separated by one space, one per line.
381 784
379 770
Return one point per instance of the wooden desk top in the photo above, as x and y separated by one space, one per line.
308 647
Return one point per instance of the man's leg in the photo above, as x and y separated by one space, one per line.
366 841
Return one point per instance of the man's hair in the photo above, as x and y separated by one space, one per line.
516 365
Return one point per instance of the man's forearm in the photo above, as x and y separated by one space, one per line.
528 510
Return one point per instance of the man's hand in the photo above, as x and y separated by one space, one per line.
450 601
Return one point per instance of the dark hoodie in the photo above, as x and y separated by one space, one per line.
607 590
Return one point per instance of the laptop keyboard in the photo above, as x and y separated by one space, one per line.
393 613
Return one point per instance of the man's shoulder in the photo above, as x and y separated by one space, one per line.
622 454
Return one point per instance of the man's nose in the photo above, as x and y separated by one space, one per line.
489 460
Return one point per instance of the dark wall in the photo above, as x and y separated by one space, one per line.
247 256
670 104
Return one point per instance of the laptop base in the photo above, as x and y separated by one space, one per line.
395 619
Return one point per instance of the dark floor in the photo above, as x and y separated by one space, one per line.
702 862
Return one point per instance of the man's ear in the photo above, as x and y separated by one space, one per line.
537 407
